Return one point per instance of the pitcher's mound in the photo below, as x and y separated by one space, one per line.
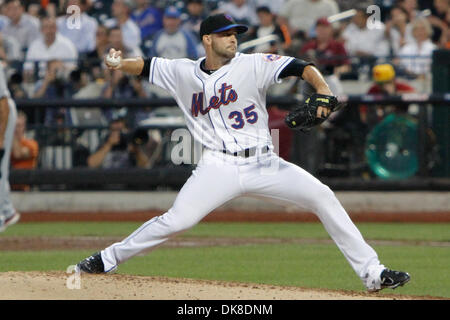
62 286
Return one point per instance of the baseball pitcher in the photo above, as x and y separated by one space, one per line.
223 98
8 115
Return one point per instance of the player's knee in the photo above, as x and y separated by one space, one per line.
179 222
324 196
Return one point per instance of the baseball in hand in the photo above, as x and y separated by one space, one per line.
113 61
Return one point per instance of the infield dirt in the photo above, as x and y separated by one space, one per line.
53 286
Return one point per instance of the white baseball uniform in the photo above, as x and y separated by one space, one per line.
226 113
6 207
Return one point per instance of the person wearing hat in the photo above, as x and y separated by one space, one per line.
223 98
195 15
120 149
121 12
173 42
268 26
385 83
328 54
148 18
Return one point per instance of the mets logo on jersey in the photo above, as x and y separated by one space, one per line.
271 57
215 102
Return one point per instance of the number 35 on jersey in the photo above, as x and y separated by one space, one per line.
226 95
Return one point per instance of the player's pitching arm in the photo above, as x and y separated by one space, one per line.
114 61
316 80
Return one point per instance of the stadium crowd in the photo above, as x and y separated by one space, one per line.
54 48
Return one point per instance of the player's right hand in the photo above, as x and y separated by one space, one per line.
113 53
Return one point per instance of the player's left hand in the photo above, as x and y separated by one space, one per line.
315 110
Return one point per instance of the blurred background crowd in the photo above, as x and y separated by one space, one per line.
51 53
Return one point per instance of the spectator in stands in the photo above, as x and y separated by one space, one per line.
116 39
240 11
398 29
54 86
9 48
121 11
363 42
4 20
25 151
15 86
52 8
148 18
268 26
33 9
195 15
119 85
273 5
438 21
172 42
100 10
83 35
51 46
328 54
415 56
120 149
301 15
94 59
410 6
385 83
21 26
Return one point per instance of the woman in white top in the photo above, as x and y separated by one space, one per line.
415 56
398 29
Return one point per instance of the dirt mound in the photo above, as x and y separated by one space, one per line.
65 286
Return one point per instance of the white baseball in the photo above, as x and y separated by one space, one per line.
113 61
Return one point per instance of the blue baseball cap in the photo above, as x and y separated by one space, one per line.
172 12
219 23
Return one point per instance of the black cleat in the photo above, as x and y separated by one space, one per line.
393 279
92 264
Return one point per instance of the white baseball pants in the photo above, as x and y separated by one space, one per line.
219 178
6 207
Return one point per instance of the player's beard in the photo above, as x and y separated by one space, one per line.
227 52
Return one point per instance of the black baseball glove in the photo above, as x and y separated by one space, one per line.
304 117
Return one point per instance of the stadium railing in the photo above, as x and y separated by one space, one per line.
346 169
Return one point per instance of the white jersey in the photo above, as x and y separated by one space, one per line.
227 109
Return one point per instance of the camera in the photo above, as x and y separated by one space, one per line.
138 137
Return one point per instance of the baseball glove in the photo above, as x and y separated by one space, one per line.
304 117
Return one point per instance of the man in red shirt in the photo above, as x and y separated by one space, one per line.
328 54
385 83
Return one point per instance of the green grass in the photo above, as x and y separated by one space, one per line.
376 231
312 265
